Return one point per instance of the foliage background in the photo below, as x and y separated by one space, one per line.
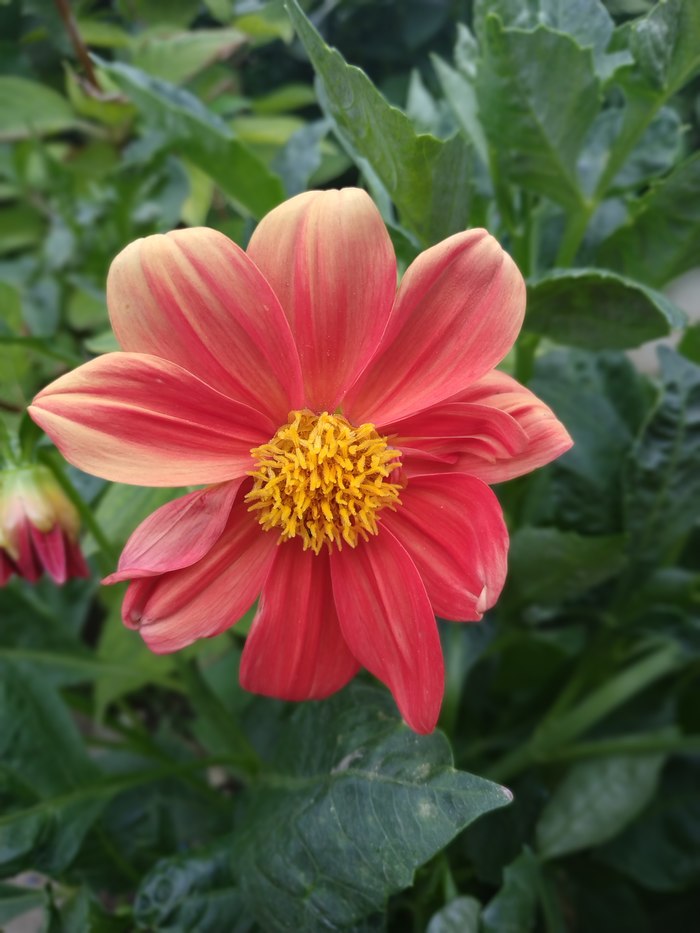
150 793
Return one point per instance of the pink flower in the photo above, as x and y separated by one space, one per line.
38 527
345 433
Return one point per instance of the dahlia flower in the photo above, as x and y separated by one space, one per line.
38 527
344 434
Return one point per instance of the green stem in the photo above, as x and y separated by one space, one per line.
629 745
108 554
525 353
574 232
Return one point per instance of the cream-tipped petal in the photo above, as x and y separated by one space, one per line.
329 258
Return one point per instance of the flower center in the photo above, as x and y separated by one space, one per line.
323 480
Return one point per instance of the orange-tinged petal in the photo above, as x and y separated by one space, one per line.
178 534
195 298
295 649
547 438
458 310
133 418
329 258
452 526
388 623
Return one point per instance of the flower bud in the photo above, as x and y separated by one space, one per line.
38 527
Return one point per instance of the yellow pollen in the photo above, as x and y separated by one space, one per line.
323 480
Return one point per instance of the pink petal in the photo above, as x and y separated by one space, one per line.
295 649
133 418
329 258
7 568
178 534
388 624
26 561
175 609
453 528
547 438
458 310
195 298
455 429
50 549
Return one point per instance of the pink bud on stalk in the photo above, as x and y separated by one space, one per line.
38 527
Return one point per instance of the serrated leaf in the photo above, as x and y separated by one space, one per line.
599 310
202 137
666 44
29 109
538 96
661 476
595 800
547 565
660 240
359 804
428 179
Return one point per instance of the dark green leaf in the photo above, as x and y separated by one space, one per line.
660 240
360 803
661 849
595 800
427 178
690 343
666 44
548 566
459 916
538 96
192 892
202 137
514 908
15 900
661 476
596 310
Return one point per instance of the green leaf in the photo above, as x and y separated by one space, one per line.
15 900
428 179
43 758
514 908
548 566
192 892
203 137
666 44
660 240
594 801
20 227
178 57
29 109
690 343
461 915
360 802
461 96
661 476
596 309
661 849
122 508
538 96
300 157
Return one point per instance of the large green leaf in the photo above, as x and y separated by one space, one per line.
29 109
202 137
666 44
427 178
461 915
595 800
660 240
597 310
359 804
538 96
547 565
661 477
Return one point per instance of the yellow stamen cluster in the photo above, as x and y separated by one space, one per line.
323 480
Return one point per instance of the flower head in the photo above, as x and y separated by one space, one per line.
344 432
38 527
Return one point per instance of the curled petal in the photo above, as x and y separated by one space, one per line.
295 649
329 258
452 527
454 429
178 534
388 623
133 418
195 298
174 609
547 438
458 310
